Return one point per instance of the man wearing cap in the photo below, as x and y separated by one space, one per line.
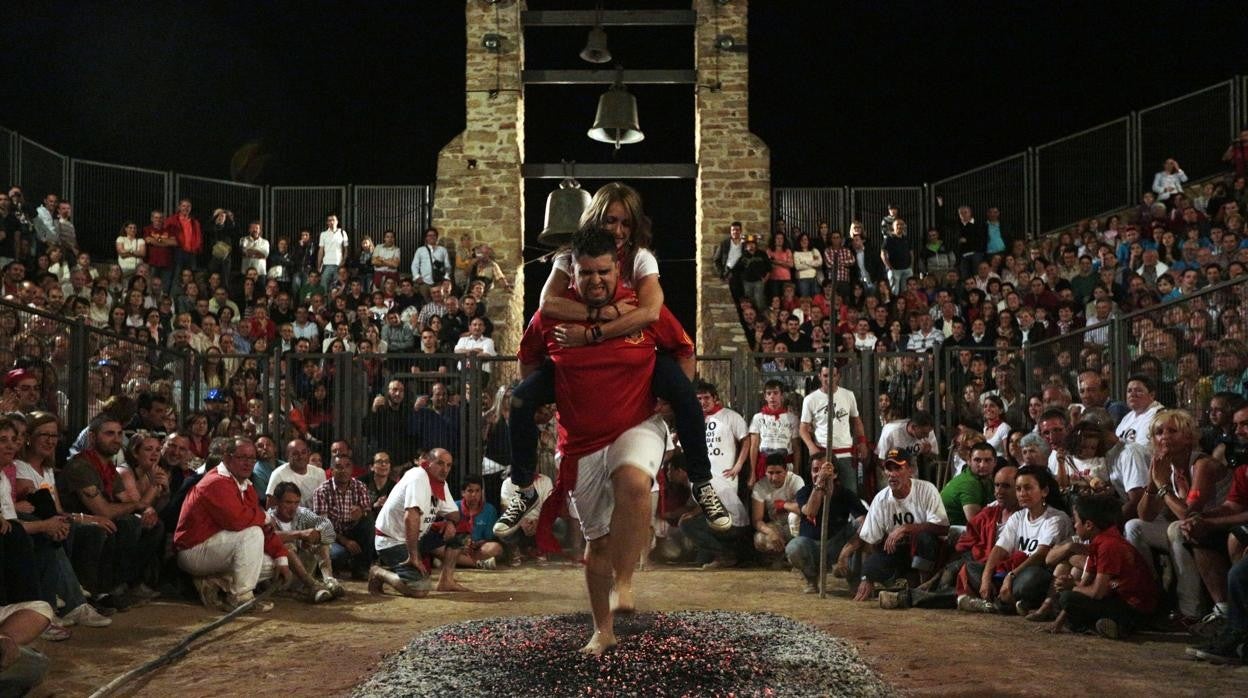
903 529
754 268
216 406
847 431
21 391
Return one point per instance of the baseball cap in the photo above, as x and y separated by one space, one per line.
896 458
216 395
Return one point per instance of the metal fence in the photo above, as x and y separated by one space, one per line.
1193 129
41 170
805 207
246 201
8 157
1053 186
406 210
105 197
292 208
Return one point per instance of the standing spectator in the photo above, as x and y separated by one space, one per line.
160 244
221 236
845 426
755 267
781 256
45 225
331 249
971 237
131 249
190 238
897 257
773 430
476 344
431 263
839 262
255 250
807 263
727 259
1169 181
386 258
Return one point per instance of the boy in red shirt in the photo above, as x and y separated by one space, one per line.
1117 592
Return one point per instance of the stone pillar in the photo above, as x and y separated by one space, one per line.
734 173
479 190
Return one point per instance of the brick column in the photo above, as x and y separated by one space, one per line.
479 190
734 173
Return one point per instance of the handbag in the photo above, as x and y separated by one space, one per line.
439 267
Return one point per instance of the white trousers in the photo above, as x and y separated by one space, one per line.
237 554
1165 536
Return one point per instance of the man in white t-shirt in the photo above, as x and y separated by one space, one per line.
849 439
903 529
772 430
916 435
298 471
773 506
418 519
726 432
331 249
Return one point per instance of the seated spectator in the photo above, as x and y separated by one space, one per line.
773 506
221 540
307 538
1015 574
22 667
902 529
1117 593
298 470
1182 481
476 521
112 555
378 481
968 492
845 514
345 502
419 505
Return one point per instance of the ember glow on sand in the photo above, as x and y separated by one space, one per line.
713 653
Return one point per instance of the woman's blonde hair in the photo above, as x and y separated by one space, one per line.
1182 420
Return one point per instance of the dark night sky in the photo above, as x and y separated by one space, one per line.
859 93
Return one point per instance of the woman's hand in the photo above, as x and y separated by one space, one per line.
568 336
1159 469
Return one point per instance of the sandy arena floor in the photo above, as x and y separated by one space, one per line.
328 649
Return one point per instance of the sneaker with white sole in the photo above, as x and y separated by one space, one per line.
520 504
334 587
487 564
1228 648
55 632
712 508
320 595
86 615
212 593
973 604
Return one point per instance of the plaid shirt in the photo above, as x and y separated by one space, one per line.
840 262
334 502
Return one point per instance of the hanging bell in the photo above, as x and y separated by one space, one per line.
595 50
564 207
616 121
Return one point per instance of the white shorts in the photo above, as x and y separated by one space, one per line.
641 447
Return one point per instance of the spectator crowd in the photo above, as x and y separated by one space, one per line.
980 486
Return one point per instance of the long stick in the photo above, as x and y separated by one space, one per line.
181 649
823 544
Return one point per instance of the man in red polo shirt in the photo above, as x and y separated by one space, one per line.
190 237
161 242
607 421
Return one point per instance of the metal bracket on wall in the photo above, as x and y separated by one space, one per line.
678 170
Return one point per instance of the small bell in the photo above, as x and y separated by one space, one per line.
564 207
616 121
595 50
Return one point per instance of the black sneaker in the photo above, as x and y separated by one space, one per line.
1228 648
716 515
521 503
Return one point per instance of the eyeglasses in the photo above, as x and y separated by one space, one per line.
381 460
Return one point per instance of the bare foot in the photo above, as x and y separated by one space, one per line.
1052 628
600 642
622 601
9 651
452 586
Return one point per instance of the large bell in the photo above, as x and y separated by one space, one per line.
616 121
564 207
595 50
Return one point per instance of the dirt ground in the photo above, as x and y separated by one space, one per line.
297 648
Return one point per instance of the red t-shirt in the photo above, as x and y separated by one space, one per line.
158 256
1239 487
602 390
1111 554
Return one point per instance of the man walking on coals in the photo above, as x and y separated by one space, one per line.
612 441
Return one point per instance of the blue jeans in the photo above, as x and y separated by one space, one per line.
897 280
667 382
803 553
1237 595
880 566
710 544
329 274
184 260
808 288
362 534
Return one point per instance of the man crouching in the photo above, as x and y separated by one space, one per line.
418 519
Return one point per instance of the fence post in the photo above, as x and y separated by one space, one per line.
1122 358
76 420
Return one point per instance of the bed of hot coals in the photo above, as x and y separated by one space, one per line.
714 653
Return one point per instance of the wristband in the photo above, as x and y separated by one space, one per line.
595 333
862 439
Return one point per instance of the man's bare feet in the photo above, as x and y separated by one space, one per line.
452 586
600 642
622 601
9 651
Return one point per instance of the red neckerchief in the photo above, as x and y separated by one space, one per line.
104 469
993 425
717 408
439 488
774 413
